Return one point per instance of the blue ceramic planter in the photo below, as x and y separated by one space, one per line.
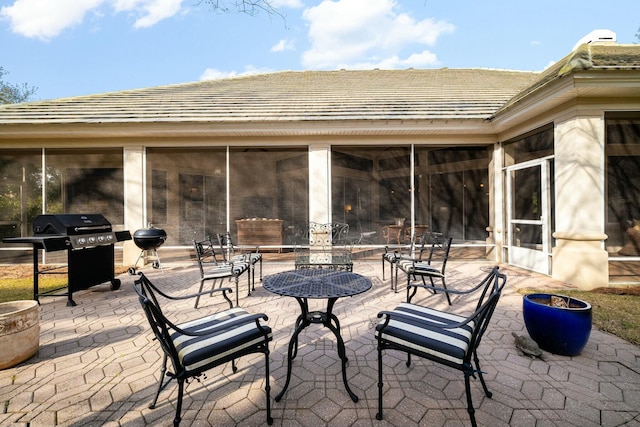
558 330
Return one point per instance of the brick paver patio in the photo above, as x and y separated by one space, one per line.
98 365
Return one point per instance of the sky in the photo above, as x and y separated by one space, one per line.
68 48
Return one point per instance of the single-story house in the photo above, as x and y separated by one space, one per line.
539 169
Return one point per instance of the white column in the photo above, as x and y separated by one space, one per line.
134 199
496 205
579 257
320 183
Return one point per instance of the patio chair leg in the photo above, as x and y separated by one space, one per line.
267 387
253 277
396 276
484 385
161 383
176 420
380 384
394 281
432 284
408 280
195 305
470 410
444 285
237 291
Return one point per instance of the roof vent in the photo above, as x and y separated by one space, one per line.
597 36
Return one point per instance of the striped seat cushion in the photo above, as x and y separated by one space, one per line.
420 267
251 258
254 257
240 267
224 270
405 264
419 330
391 257
424 268
218 272
231 330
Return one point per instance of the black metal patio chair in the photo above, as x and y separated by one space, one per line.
340 233
442 337
198 345
231 253
212 270
433 267
393 254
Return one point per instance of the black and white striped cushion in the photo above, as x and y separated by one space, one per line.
391 257
419 329
425 268
226 271
231 331
218 272
420 267
254 257
405 264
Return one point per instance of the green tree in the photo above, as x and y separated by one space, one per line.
13 94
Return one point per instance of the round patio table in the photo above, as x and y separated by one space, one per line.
317 284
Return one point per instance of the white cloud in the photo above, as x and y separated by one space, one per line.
286 3
45 19
360 33
152 11
283 45
215 74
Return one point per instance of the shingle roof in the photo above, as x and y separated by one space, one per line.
291 96
598 57
427 94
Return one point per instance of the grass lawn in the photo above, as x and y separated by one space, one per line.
12 289
16 281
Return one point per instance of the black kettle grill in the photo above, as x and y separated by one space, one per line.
148 239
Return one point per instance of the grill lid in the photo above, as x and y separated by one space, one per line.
70 224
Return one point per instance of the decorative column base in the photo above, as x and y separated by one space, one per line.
580 259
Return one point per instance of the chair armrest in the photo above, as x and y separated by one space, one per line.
482 286
389 315
189 296
387 319
209 292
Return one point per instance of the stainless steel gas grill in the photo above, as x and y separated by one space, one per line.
89 241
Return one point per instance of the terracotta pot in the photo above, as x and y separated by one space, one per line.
19 332
558 330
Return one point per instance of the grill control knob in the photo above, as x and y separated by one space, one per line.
100 239
92 239
82 241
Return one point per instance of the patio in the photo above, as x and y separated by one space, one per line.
98 365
